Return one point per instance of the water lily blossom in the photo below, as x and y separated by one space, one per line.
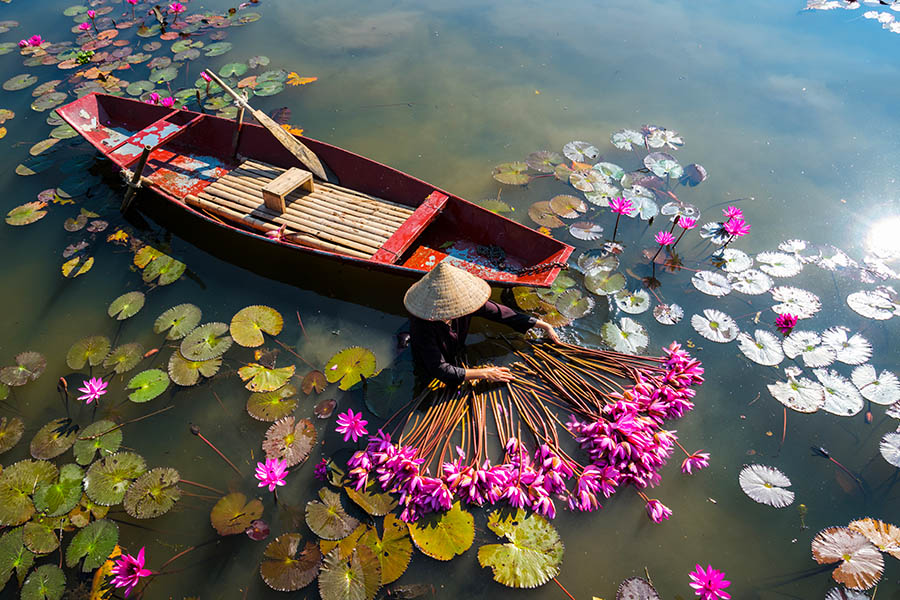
321 470
35 40
92 389
733 212
786 323
708 583
153 98
696 461
657 511
84 26
687 223
91 14
128 571
620 206
23 43
168 102
205 77
351 425
271 473
176 8
737 227
664 238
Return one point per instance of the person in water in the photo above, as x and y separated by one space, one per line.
442 305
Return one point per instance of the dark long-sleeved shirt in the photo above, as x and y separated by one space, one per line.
437 347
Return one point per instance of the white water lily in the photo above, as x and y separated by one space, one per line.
668 314
712 283
751 282
628 336
799 393
766 485
841 397
735 260
881 389
890 448
795 301
808 344
852 350
763 348
633 303
779 264
715 326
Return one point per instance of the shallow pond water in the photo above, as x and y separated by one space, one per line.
791 113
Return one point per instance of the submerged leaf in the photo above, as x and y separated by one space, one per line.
232 514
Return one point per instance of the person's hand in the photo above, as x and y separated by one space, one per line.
548 331
494 374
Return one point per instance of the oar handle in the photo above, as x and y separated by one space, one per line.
240 99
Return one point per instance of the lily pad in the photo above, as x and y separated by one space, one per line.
603 283
628 336
19 82
567 207
393 550
444 535
178 321
26 214
232 514
47 582
145 255
314 380
57 499
50 441
274 405
153 494
349 366
233 70
40 535
206 342
544 161
48 101
14 556
532 556
636 588
126 305
29 366
356 577
186 372
284 568
249 323
147 385
108 443
375 504
263 379
164 75
17 483
543 215
581 152
94 544
289 440
124 357
328 519
268 88
573 305
107 479
663 165
512 173
11 430
325 408
166 268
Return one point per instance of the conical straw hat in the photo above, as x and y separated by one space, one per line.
446 292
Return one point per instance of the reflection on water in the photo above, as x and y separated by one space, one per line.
768 100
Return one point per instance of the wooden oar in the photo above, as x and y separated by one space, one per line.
292 144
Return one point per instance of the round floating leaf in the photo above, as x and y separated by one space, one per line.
271 406
347 544
715 326
186 372
544 161
77 266
626 139
314 380
393 550
444 535
389 390
57 499
47 582
581 152
567 207
249 323
572 305
29 366
799 393
19 82
147 385
327 519
153 494
284 568
663 165
268 88
108 478
92 349
375 504
795 301
39 534
349 366
14 556
178 321
108 443
258 61
890 448
841 396
356 577
26 214
145 256
126 305
884 535
628 336
263 379
712 283
206 342
63 132
233 70
290 441
531 557
881 389
52 439
766 485
585 230
86 511
633 303
861 564
164 75
232 514
11 431
603 283
166 268
751 282
763 348
636 588
543 215
850 349
137 88
512 173
325 408
48 101
124 357
94 544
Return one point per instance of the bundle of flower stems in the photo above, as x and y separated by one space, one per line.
486 444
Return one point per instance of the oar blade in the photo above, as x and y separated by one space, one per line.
292 144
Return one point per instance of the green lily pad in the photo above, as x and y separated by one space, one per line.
48 101
36 164
148 32
40 536
47 582
136 88
248 325
94 544
347 544
349 366
444 535
258 61
532 556
11 431
14 556
166 268
124 358
182 45
374 503
57 499
126 305
328 519
393 550
163 75
74 11
356 577
206 342
390 390
178 321
61 132
145 255
107 443
77 266
263 379
26 214
19 82
604 283
233 70
49 442
186 372
17 483
92 349
268 88
153 494
290 441
512 173
29 366
147 385
284 568
273 75
107 479
86 511
232 514
271 406
218 48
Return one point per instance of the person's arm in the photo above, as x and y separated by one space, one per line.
429 351
519 321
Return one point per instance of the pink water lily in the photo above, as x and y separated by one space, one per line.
733 212
84 26
664 238
91 14
687 223
153 98
786 323
708 583
92 389
177 7
657 511
128 571
23 43
737 227
35 40
620 206
205 77
352 425
168 102
696 461
321 470
271 473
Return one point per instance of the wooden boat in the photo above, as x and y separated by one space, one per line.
239 177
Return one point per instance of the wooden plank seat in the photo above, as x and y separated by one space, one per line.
330 217
391 251
154 135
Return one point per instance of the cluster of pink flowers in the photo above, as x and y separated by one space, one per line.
154 98
625 445
734 224
34 41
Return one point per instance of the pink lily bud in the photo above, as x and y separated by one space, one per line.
91 14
